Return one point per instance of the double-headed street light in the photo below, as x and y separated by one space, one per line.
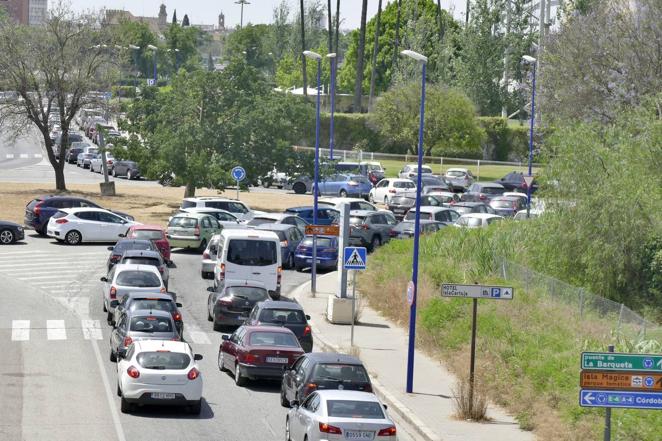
332 93
533 62
413 288
155 49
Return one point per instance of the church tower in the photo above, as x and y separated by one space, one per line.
163 17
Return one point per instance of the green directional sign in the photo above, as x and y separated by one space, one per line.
609 361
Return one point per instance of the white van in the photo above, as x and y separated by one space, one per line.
251 255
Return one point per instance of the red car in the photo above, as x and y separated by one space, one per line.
258 352
154 233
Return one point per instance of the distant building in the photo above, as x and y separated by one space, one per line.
158 24
37 12
26 12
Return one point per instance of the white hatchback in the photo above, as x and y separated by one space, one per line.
77 225
124 278
477 220
389 187
159 372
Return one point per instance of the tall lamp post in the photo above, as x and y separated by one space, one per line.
134 58
313 269
533 62
155 49
332 93
242 3
413 288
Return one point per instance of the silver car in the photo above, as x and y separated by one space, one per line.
141 324
370 228
147 257
346 413
124 279
209 257
459 178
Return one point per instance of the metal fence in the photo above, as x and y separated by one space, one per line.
621 318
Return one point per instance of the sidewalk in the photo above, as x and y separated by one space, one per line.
382 346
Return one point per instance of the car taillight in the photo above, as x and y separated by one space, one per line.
113 292
161 269
225 301
482 197
250 358
37 208
177 317
365 226
194 373
392 190
61 221
327 428
221 274
115 258
310 387
133 372
283 243
389 431
127 341
306 331
392 233
196 232
205 255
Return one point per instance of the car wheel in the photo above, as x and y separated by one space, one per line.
125 406
109 318
239 379
196 408
203 245
299 188
104 307
343 194
221 365
287 430
6 237
375 243
298 268
113 356
73 237
209 317
290 261
114 173
266 183
283 401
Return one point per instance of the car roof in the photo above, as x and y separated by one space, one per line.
84 209
147 227
399 180
362 213
280 304
308 207
190 215
490 184
275 227
353 395
333 357
211 198
160 345
467 204
505 198
249 233
142 253
203 210
431 209
422 221
154 312
273 216
278 329
135 267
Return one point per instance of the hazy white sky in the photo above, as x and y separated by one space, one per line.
259 11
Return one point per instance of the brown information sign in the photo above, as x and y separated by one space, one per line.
621 380
323 230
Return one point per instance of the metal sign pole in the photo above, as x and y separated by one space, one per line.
353 304
237 189
472 367
607 436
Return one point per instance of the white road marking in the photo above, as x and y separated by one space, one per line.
10 156
91 329
110 396
55 330
80 305
47 263
38 155
58 275
20 330
24 156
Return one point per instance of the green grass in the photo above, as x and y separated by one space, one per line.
485 173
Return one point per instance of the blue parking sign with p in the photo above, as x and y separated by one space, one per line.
496 292
355 258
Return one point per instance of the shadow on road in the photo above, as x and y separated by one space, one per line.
180 412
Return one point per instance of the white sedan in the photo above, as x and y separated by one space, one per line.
477 220
389 187
339 414
77 225
159 372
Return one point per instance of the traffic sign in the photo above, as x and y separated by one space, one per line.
609 361
477 291
630 400
238 173
323 230
528 180
151 82
355 258
621 380
411 288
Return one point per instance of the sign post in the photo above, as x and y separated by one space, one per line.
475 292
354 258
239 174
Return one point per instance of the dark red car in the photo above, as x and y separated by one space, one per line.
253 352
154 233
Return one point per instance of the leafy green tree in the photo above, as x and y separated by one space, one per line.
174 17
451 128
289 73
254 44
137 34
182 45
185 21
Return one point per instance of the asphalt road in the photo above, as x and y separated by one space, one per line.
55 375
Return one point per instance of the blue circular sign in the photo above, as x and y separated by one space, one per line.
649 381
238 173
648 363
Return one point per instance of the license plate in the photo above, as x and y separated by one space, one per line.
360 435
277 360
166 396
397 210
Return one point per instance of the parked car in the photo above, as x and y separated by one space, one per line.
238 208
339 414
231 305
123 245
253 352
354 203
129 169
459 178
370 229
160 373
515 181
410 171
522 214
445 197
284 313
10 232
405 229
327 253
507 206
72 154
141 324
290 237
73 137
517 194
322 371
482 192
225 218
96 163
373 170
84 159
400 205
345 185
148 301
390 187
279 219
325 215
209 256
76 225
432 184
154 233
477 220
192 230
147 257
440 214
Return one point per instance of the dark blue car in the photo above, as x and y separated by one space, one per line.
290 237
325 215
327 253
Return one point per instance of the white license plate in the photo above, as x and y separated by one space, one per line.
166 396
277 360
360 435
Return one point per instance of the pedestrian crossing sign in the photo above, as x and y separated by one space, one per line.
355 258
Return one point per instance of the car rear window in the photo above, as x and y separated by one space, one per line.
492 190
293 316
247 252
147 234
470 222
232 207
188 204
153 304
252 293
370 410
261 221
337 371
502 204
462 209
183 222
138 279
455 174
59 214
411 215
323 242
150 324
273 339
400 184
124 245
163 360
142 261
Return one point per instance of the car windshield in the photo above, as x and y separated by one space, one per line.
404 226
354 373
455 174
432 189
152 304
150 324
462 209
163 360
289 316
260 338
139 279
323 242
370 410
252 293
183 222
492 190
147 234
252 252
403 184
142 261
411 215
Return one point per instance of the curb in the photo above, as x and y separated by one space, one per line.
380 390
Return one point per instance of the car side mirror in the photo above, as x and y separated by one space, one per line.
120 355
177 304
211 289
225 337
307 317
197 357
385 406
294 403
121 234
104 279
111 248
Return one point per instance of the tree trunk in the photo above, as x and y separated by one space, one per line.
373 69
303 48
337 30
189 191
358 87
397 34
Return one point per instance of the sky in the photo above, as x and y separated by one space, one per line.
259 11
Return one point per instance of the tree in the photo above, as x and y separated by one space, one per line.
253 43
373 67
185 21
174 17
358 84
137 34
182 45
288 71
303 48
451 128
210 63
48 83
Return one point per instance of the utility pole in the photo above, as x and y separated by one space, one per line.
504 107
242 3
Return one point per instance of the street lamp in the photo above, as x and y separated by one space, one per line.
155 49
313 268
133 48
533 62
417 227
242 3
332 92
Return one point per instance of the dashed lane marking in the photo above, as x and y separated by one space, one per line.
20 330
55 330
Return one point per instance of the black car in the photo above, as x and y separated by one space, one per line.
434 181
148 301
483 192
472 207
126 168
72 154
323 370
231 305
514 181
10 232
122 245
287 314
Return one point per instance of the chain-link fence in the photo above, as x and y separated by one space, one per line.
587 305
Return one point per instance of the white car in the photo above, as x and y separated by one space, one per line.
339 414
389 187
439 214
354 204
477 220
278 218
238 208
123 279
459 178
516 195
96 163
77 225
446 197
533 213
159 372
224 217
410 171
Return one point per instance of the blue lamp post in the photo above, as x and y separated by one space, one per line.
417 226
313 269
533 62
332 93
